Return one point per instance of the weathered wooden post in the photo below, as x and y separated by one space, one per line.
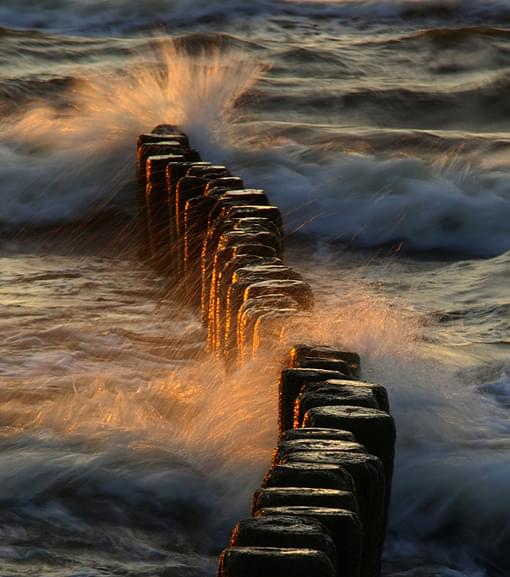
322 508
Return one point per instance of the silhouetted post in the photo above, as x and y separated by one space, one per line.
330 395
274 562
369 480
345 529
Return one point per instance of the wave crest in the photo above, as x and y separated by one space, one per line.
57 164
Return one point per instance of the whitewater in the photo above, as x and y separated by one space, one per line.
382 131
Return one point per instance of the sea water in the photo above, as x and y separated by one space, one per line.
381 129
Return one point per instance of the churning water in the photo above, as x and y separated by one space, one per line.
381 129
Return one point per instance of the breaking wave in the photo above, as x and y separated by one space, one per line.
58 163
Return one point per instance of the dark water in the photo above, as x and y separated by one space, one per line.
382 130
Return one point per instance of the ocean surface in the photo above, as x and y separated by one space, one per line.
382 130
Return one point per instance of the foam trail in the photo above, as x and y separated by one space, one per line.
109 418
173 449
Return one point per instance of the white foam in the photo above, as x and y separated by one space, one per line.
369 202
450 499
59 165
85 158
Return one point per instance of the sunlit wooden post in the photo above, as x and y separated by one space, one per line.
152 187
193 211
369 480
292 382
244 561
218 222
344 527
234 296
248 314
156 206
303 497
226 262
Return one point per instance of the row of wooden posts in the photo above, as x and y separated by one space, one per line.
322 508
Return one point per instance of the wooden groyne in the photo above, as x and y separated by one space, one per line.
322 508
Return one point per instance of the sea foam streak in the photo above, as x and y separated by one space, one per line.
101 425
155 452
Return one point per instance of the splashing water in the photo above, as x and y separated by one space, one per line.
110 418
59 163
450 499
160 449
